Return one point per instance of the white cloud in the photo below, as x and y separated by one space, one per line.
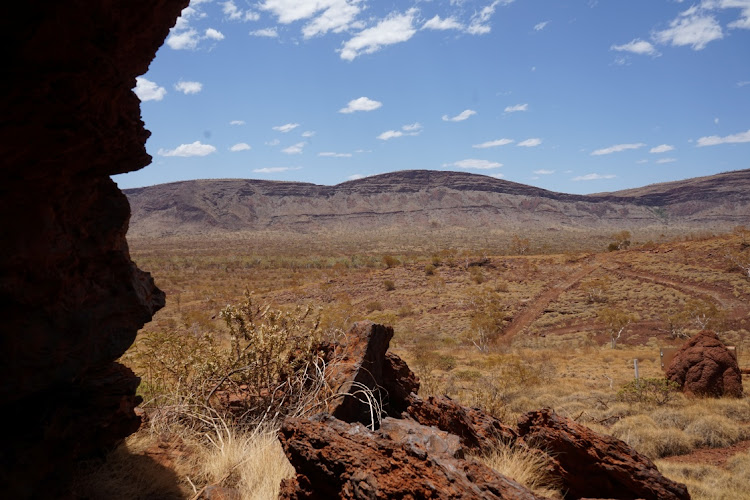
146 90
274 142
214 34
478 24
308 133
395 28
517 107
326 15
541 26
355 177
410 129
235 14
237 122
185 150
663 148
449 23
294 149
241 146
497 176
593 177
474 164
335 155
544 172
273 170
492 144
361 104
666 160
641 162
463 115
616 149
743 83
530 143
183 40
286 128
188 87
714 140
265 33
716 121
636 46
692 27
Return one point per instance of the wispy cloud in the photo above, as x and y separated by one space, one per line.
188 87
233 13
693 27
274 142
449 23
517 107
479 24
325 15
617 148
493 144
661 161
662 148
308 133
274 170
240 146
463 115
474 164
146 90
593 177
530 143
294 149
541 26
355 177
237 122
265 33
335 155
715 140
636 46
185 150
361 104
286 127
396 28
410 129
544 172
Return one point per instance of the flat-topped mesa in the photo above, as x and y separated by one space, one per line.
71 299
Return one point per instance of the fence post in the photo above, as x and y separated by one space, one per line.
635 365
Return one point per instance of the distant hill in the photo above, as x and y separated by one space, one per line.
424 200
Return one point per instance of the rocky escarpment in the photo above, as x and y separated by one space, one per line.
422 200
71 300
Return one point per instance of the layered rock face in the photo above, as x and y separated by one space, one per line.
71 300
704 367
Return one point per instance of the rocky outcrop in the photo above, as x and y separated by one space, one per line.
335 459
704 367
593 465
70 297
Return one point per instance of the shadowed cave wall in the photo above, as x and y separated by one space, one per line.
71 300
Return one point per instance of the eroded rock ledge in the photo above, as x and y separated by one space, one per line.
418 448
71 300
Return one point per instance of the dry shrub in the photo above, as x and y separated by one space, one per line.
640 432
706 482
671 417
732 408
715 431
528 469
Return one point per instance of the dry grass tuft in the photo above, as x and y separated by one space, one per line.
715 431
526 468
706 482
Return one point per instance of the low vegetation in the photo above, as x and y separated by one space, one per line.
510 331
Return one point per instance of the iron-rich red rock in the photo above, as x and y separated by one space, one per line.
704 367
334 459
71 299
476 429
594 465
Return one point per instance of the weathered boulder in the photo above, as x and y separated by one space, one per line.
359 363
476 428
593 465
335 459
71 299
704 367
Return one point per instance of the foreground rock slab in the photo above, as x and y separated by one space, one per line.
704 367
335 459
596 466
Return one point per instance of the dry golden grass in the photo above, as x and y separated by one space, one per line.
527 469
707 482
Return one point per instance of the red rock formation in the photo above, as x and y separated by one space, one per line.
704 367
70 297
475 428
594 465
334 459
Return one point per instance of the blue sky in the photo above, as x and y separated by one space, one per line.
573 96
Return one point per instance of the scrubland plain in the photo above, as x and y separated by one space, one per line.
509 327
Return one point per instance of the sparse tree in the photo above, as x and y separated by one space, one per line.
621 241
488 313
596 289
703 314
616 321
390 261
519 246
